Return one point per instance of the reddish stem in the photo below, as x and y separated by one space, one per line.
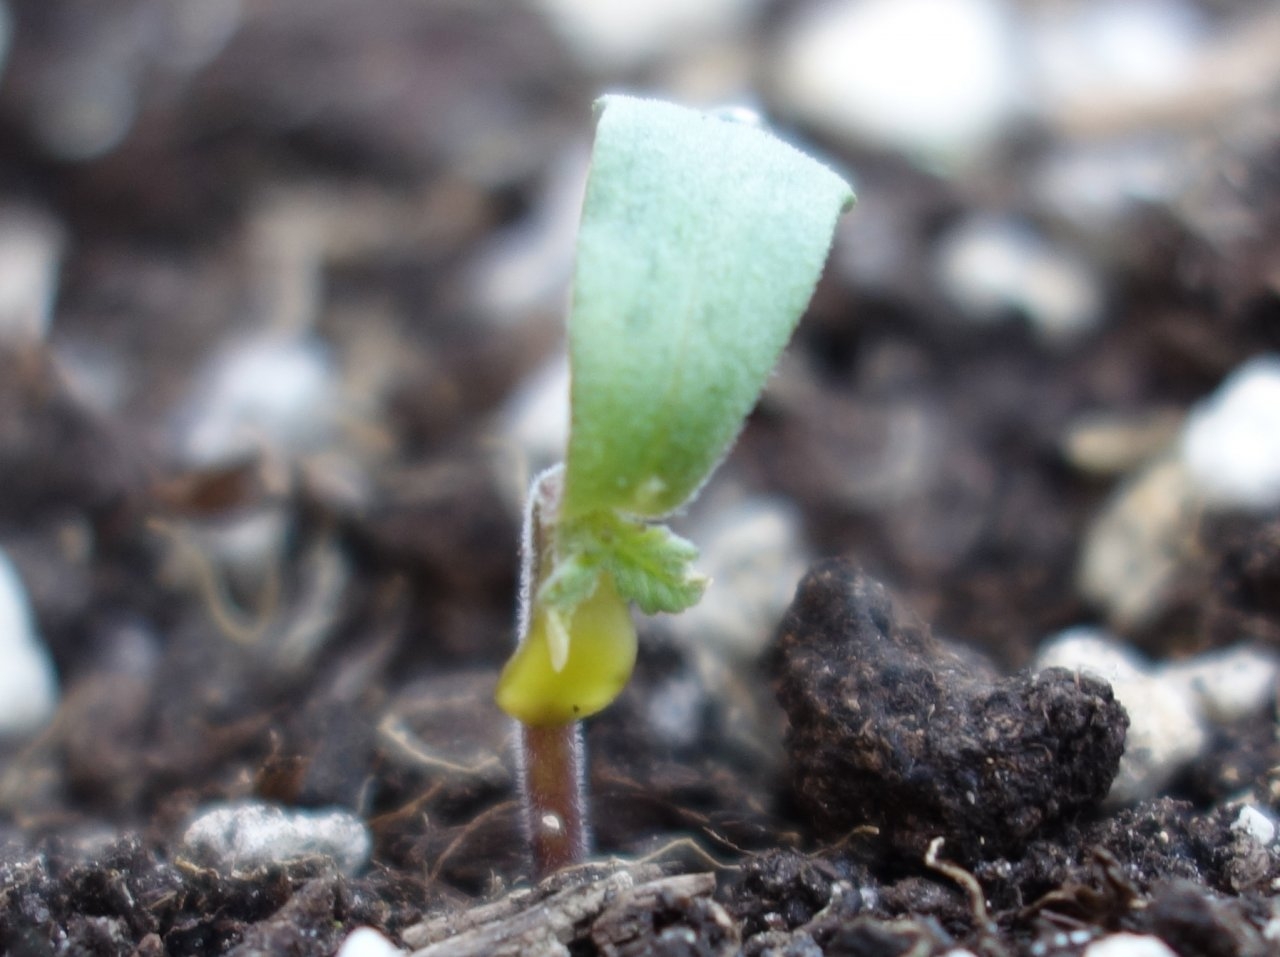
551 777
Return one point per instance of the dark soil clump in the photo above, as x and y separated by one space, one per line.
889 729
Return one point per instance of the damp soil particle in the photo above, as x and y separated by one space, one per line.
783 890
889 729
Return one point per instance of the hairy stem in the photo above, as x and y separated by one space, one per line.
551 782
551 758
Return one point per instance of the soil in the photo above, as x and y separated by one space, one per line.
346 656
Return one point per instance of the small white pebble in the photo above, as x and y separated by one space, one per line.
938 78
1094 52
1165 729
250 835
277 392
1228 684
1255 823
28 682
1091 650
754 552
1231 442
674 710
1094 184
367 942
1129 945
30 251
1135 547
244 547
990 266
615 36
1113 444
1271 930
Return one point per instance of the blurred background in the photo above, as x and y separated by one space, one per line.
282 288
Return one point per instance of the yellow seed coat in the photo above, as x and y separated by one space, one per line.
602 654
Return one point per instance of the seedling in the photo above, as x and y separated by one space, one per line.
700 244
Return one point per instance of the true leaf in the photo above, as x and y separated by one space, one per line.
650 564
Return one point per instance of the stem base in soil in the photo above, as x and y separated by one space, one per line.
551 775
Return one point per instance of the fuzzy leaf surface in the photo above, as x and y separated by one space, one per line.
700 245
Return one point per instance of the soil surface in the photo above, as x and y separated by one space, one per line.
306 604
